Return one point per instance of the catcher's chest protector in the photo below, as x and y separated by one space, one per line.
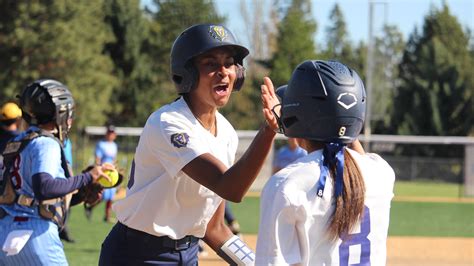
54 209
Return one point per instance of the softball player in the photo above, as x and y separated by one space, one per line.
36 178
332 206
183 165
106 152
287 154
10 118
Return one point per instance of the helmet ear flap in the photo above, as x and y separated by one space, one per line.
188 81
240 77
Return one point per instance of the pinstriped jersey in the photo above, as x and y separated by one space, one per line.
162 199
41 155
294 219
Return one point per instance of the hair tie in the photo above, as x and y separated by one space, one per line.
333 156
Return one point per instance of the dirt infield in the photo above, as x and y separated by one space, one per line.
401 251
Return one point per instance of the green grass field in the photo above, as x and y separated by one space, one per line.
427 189
88 235
406 218
442 219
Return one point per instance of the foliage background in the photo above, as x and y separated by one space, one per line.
114 56
113 51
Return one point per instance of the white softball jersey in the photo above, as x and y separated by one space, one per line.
161 199
294 220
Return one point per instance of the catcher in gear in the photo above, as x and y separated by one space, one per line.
184 163
37 184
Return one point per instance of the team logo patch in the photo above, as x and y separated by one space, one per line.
347 100
218 33
180 140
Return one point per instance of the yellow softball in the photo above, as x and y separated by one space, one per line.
113 175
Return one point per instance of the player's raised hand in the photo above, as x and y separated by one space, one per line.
269 101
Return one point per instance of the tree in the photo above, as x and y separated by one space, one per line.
132 104
294 42
62 40
436 95
338 44
388 54
168 19
242 108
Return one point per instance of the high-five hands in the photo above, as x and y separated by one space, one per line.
270 100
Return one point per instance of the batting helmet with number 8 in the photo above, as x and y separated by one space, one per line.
332 93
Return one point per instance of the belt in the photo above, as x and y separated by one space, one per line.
20 219
179 244
164 241
3 213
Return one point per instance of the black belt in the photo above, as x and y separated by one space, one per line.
164 241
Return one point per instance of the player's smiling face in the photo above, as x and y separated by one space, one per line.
216 76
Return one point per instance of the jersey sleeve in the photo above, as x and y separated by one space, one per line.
278 239
177 144
46 157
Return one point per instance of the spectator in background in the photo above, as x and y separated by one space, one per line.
287 154
231 221
10 118
106 152
68 152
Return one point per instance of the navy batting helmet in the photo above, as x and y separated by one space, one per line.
324 101
48 100
195 41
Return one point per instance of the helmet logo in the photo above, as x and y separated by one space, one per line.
347 100
218 33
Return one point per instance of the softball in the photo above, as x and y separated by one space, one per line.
113 175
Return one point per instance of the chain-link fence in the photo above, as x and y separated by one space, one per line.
407 167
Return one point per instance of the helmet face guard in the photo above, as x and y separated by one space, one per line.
48 100
324 101
196 40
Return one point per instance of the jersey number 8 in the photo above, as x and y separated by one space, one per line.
357 239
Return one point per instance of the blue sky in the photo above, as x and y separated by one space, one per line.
405 14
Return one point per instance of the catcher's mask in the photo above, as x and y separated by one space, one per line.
48 100
324 101
195 41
